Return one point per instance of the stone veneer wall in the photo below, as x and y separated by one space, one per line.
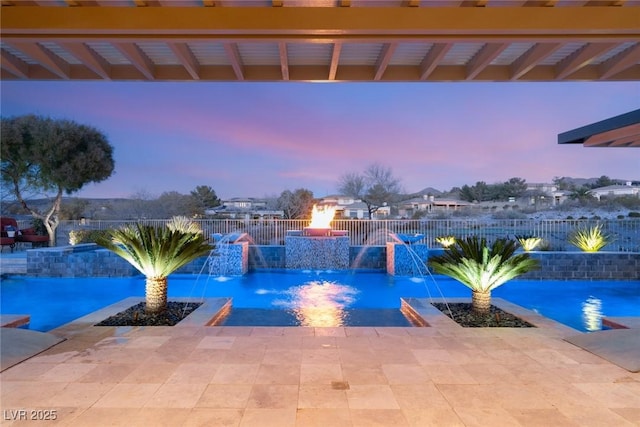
84 260
88 260
586 266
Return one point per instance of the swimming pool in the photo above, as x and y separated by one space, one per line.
324 296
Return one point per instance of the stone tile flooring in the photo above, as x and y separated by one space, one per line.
442 375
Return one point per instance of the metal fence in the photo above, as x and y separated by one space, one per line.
625 233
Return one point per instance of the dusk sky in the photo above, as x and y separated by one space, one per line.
258 139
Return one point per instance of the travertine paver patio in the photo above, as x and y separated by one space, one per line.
443 375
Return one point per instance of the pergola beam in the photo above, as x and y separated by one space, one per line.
186 58
284 60
14 65
483 58
581 58
383 59
621 137
233 53
91 60
137 59
531 58
44 58
335 59
621 62
320 22
433 58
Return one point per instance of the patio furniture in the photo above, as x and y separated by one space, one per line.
7 241
25 235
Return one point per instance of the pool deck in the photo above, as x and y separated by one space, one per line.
441 375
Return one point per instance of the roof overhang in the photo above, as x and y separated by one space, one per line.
344 40
618 131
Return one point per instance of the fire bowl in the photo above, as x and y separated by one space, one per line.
316 232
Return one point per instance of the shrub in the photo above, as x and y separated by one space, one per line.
85 236
446 241
529 243
590 239
634 215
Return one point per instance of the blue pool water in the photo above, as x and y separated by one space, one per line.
315 298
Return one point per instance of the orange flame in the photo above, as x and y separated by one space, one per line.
321 217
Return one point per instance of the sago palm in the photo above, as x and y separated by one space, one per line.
482 268
156 251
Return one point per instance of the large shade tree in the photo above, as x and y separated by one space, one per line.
41 156
376 186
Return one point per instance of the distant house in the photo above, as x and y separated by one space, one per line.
245 208
428 204
616 191
350 208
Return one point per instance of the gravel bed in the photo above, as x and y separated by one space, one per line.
465 316
136 316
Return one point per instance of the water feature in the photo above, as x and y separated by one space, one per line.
230 255
318 246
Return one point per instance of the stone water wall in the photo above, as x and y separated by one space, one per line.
225 260
317 253
406 260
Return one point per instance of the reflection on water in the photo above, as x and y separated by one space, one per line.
318 303
592 314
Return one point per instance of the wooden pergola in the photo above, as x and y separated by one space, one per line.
618 131
321 40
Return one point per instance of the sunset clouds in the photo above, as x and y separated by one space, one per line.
251 139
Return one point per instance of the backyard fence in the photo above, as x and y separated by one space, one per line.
625 233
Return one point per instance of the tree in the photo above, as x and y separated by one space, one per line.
562 183
172 203
482 268
73 209
42 155
376 186
203 198
581 194
475 193
514 187
603 181
296 204
157 251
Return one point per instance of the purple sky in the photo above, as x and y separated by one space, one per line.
258 139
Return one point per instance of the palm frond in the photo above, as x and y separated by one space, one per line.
155 251
184 224
480 267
